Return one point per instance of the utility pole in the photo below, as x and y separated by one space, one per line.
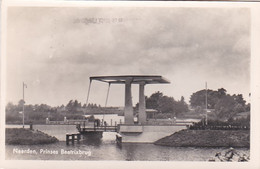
24 85
206 104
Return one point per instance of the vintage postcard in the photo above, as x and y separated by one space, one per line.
126 84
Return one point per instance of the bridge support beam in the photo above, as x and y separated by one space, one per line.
129 113
142 113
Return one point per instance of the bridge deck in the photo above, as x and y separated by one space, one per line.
100 128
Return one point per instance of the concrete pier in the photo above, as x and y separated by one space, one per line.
72 138
141 112
147 133
129 112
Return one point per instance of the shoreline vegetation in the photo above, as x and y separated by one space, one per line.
221 106
207 138
183 138
21 136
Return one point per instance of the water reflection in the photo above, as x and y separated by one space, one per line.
110 151
92 142
130 150
119 146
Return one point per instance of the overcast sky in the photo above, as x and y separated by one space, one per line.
55 51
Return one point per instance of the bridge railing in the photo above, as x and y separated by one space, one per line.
226 127
168 122
95 127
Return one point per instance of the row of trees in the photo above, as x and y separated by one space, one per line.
39 112
75 107
222 105
36 113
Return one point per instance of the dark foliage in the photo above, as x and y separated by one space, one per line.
165 104
222 104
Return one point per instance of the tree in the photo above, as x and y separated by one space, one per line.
75 104
69 106
247 107
165 104
153 101
84 105
225 107
21 103
239 99
199 98
181 106
221 92
10 107
182 100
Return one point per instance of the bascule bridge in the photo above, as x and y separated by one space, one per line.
127 81
129 131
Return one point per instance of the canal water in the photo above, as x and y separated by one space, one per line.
106 149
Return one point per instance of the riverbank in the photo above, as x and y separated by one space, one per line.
21 136
207 138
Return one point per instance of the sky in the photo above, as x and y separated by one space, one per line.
55 51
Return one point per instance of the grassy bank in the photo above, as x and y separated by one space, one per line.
21 136
207 138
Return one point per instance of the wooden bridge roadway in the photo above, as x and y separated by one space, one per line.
82 129
88 129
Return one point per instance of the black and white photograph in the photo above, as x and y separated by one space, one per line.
128 83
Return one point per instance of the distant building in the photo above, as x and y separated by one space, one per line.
151 113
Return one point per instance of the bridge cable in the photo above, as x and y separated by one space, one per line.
103 120
107 93
88 93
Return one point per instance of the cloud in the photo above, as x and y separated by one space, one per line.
209 43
